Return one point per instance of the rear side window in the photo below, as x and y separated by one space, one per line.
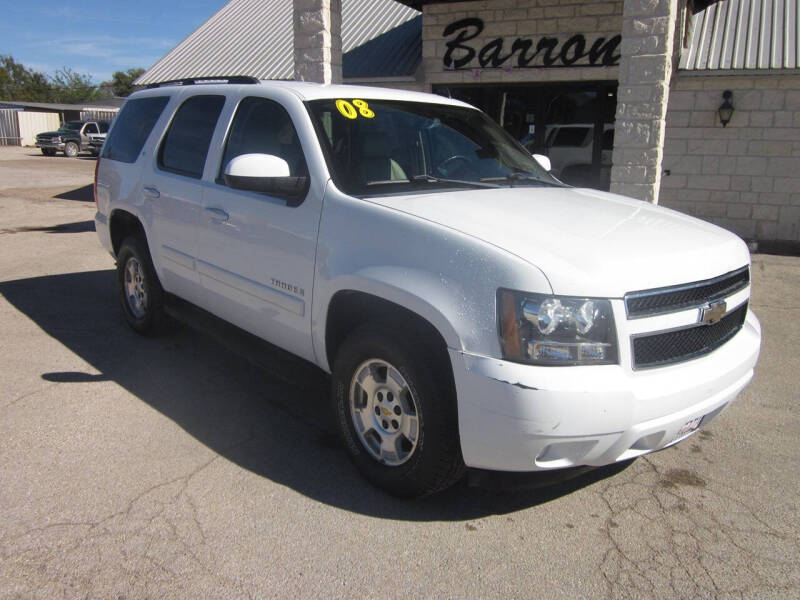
570 136
185 146
131 128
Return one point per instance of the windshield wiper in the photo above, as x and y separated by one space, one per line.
425 178
521 177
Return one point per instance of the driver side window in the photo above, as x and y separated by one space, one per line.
263 126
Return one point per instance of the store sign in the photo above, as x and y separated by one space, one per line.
525 52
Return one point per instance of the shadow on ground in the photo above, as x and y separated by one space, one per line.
75 227
271 418
81 194
60 156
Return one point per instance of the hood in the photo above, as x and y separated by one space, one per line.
50 133
586 242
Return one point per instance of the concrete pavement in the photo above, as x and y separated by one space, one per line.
171 467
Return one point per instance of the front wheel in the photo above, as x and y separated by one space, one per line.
71 149
396 414
140 292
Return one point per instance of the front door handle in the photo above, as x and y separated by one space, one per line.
151 192
216 214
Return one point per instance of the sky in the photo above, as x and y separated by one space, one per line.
97 38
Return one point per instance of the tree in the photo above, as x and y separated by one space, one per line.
70 87
122 81
17 82
20 83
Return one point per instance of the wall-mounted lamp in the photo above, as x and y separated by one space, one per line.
726 108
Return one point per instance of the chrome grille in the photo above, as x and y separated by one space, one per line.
646 303
658 349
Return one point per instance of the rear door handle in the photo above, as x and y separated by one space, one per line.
151 192
216 214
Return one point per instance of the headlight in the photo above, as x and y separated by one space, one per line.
556 330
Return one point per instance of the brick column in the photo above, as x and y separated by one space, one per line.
648 34
318 40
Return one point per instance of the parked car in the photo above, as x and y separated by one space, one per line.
96 142
73 137
472 310
569 147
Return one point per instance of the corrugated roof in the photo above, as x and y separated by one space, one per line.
744 34
397 52
254 37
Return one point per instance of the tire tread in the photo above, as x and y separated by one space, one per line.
154 322
443 467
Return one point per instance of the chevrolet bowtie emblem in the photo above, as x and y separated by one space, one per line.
713 312
386 411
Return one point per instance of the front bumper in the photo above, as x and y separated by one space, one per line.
48 144
515 417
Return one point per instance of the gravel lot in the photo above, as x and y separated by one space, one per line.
171 467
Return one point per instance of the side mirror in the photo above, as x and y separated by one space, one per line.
543 161
267 174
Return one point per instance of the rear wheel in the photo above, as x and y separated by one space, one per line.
71 149
140 292
396 413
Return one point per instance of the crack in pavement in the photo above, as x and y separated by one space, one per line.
156 540
672 530
27 395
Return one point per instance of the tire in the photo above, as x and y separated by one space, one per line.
71 149
48 151
140 293
407 440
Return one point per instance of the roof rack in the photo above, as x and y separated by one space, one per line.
193 80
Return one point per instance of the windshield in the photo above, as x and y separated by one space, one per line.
70 126
382 146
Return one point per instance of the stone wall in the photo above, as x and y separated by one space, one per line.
317 30
648 30
746 176
528 19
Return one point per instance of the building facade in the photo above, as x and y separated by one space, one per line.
623 95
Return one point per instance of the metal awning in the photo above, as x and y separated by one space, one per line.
744 34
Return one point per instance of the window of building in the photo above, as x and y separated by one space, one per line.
572 123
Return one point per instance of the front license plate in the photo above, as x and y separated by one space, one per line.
690 426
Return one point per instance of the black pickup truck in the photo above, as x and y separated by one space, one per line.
74 137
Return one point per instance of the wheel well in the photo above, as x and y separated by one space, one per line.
123 224
350 309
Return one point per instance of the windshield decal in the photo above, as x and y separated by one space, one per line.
348 110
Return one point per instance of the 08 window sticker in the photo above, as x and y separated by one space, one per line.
351 109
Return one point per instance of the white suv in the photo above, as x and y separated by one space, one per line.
472 310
